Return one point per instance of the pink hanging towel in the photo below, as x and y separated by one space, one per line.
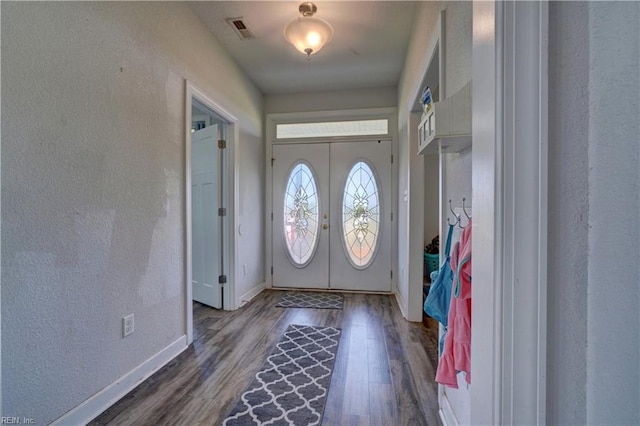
456 356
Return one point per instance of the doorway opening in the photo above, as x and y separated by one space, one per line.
209 205
207 210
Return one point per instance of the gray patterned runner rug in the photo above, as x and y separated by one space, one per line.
294 299
291 388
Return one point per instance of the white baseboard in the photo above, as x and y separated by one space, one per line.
249 295
404 307
446 412
94 406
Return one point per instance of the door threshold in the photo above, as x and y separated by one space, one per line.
331 290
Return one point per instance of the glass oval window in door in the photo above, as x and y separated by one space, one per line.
361 215
301 215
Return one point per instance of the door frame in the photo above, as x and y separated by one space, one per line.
510 187
272 120
229 201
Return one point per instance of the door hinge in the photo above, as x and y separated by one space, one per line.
222 279
222 144
391 216
272 216
391 274
391 158
272 161
222 211
272 270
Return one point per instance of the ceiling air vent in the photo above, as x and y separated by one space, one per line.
241 28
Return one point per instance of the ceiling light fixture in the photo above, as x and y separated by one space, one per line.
306 33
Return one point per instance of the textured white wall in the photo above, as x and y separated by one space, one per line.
251 212
458 31
613 333
410 259
568 212
458 179
458 166
458 26
403 217
93 189
431 197
427 14
332 100
594 214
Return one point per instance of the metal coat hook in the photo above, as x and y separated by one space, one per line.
457 222
464 209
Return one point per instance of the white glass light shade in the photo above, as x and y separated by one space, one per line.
308 34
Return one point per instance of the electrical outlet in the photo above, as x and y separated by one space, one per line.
127 325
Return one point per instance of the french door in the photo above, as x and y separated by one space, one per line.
331 223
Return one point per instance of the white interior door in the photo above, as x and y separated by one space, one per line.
206 224
300 212
331 224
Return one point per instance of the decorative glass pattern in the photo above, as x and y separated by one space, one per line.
301 215
361 215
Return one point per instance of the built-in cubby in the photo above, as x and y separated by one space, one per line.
446 127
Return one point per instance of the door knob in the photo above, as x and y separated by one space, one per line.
325 226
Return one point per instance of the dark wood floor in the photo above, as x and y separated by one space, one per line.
384 369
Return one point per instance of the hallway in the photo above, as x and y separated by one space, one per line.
383 372
96 193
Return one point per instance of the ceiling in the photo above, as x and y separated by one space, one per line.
368 47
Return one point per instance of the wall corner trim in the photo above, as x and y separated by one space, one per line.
446 413
98 403
249 295
402 304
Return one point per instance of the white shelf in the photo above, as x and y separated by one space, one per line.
453 130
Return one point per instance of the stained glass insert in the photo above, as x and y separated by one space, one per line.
301 215
361 215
